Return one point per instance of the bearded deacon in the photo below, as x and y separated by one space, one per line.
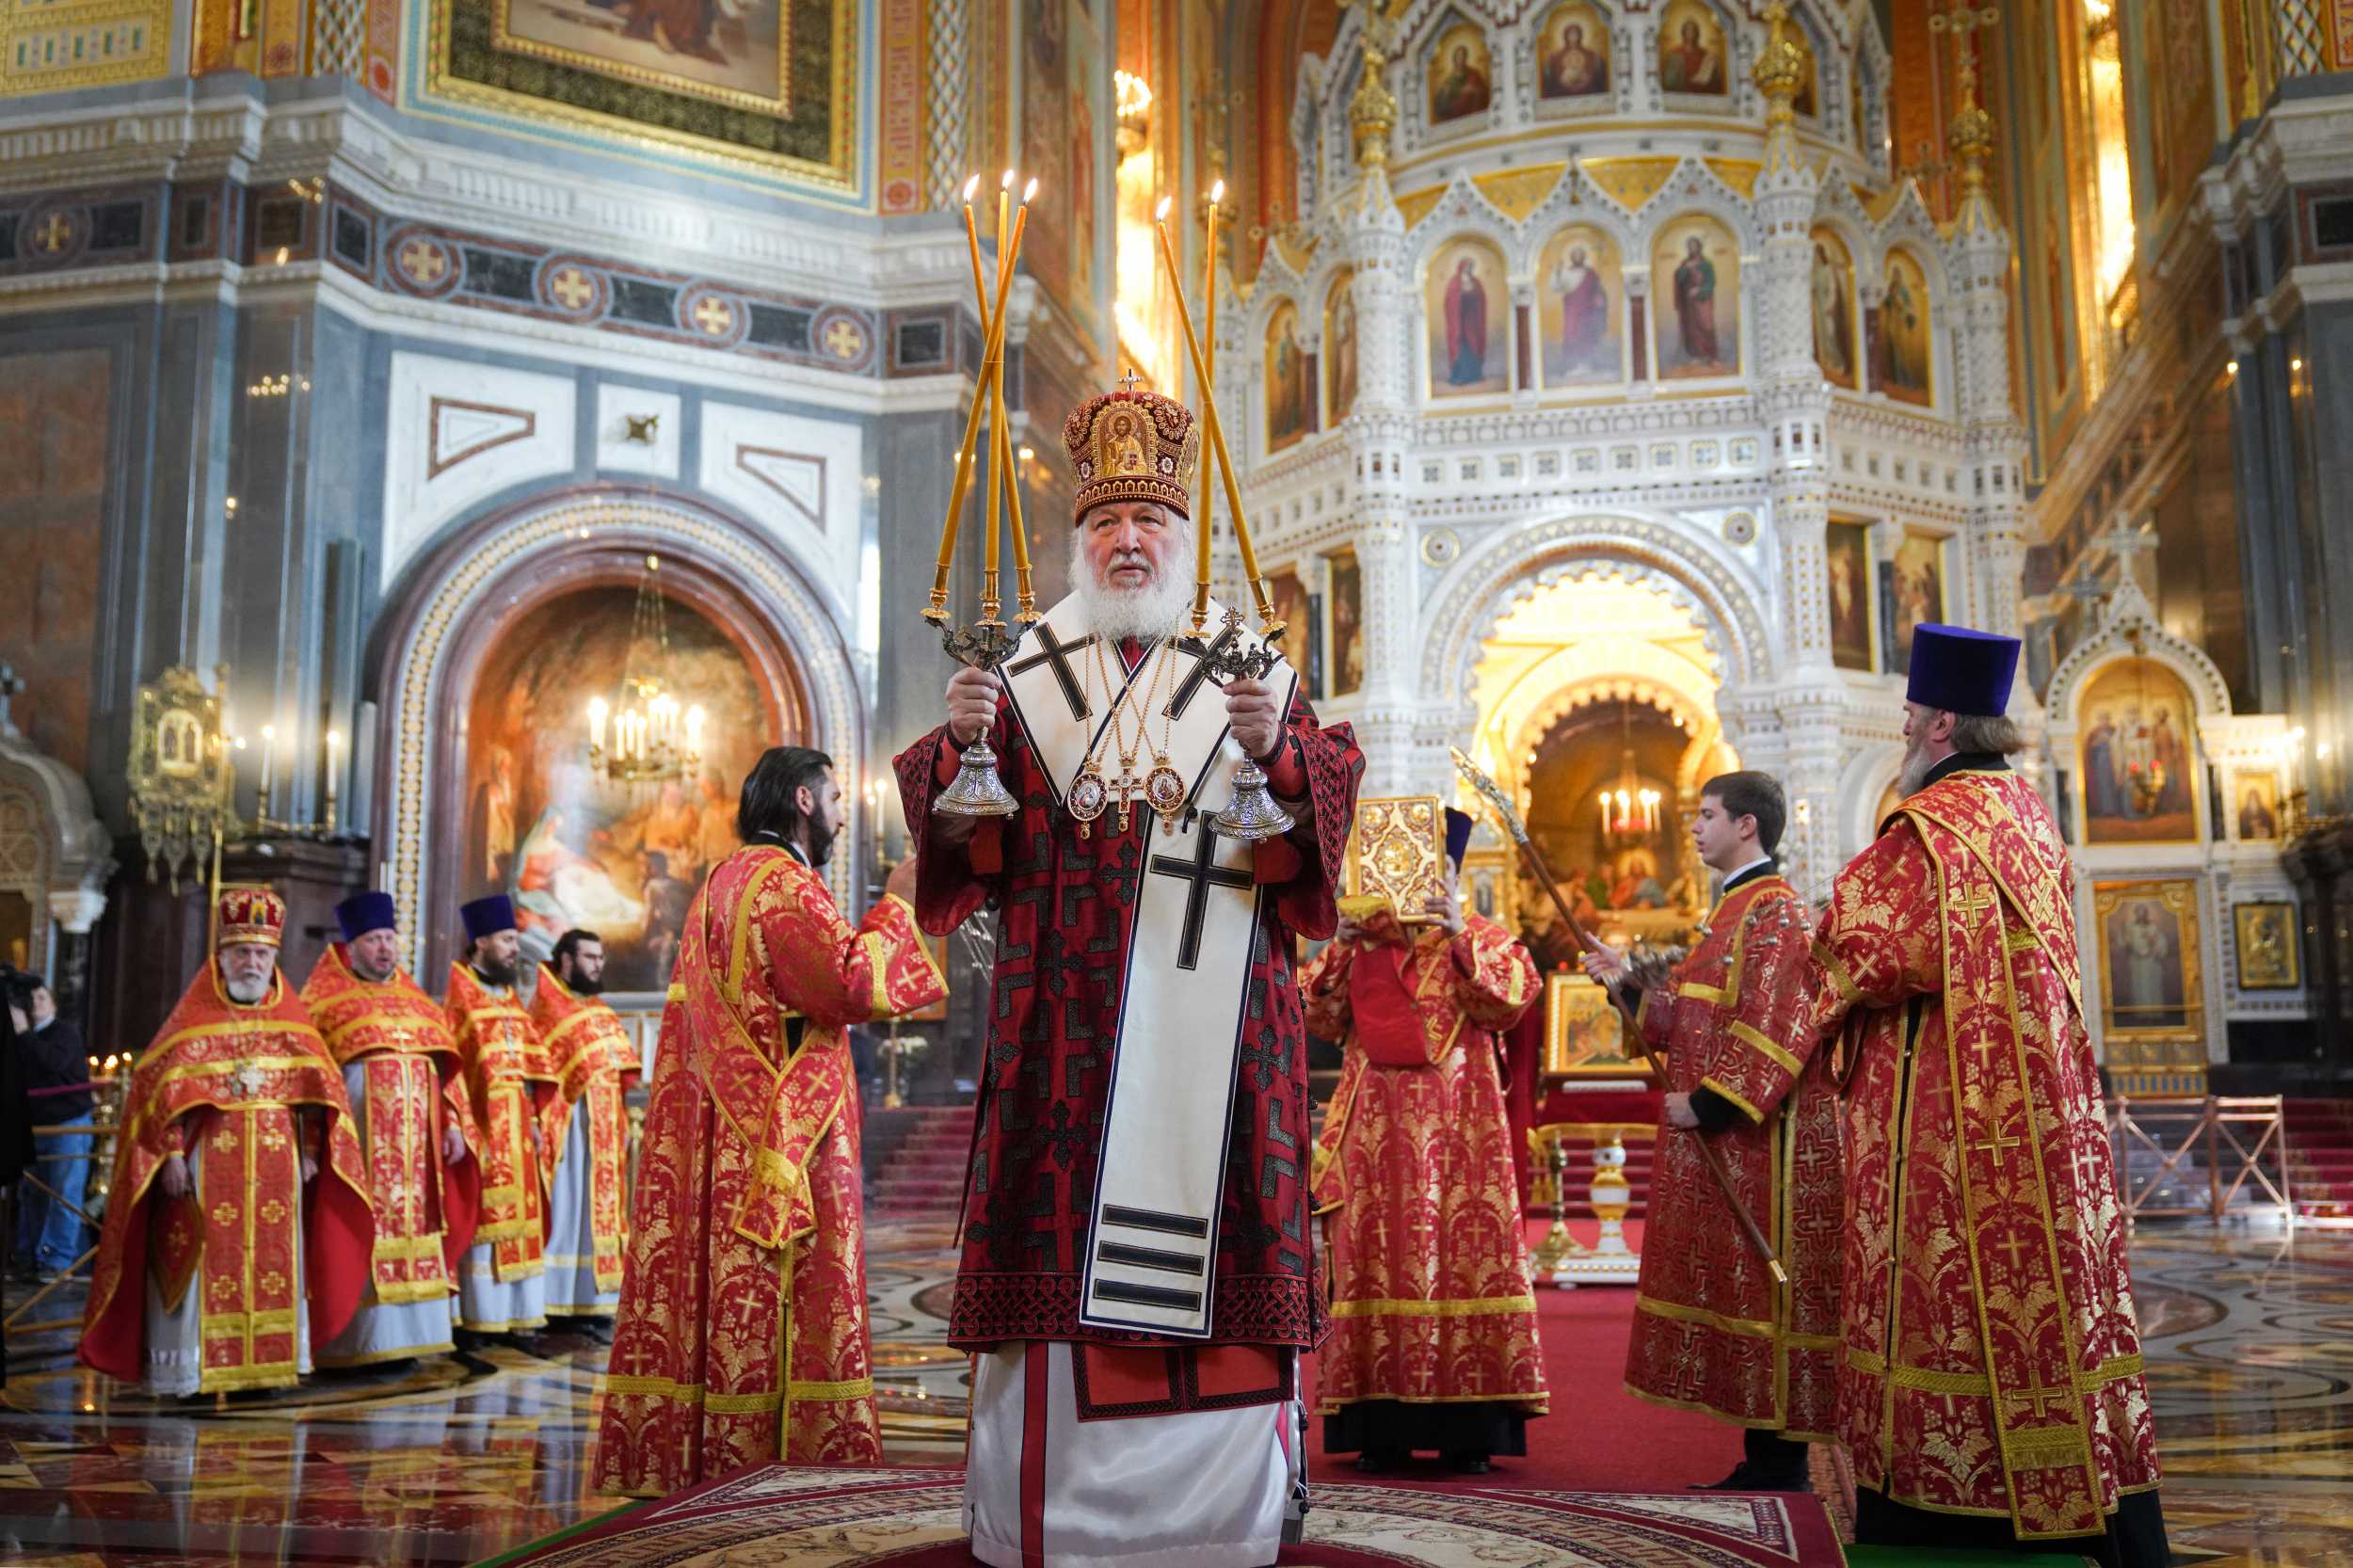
1134 1271
585 1130
1991 1392
237 1230
408 1088
742 1338
1433 1340
503 1282
1713 1331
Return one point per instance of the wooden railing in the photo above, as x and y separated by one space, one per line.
2235 1134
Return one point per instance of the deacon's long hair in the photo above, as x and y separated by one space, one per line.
766 812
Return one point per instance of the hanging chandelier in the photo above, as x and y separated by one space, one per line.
653 740
1629 809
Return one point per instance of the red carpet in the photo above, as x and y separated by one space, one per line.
2320 1157
1598 1437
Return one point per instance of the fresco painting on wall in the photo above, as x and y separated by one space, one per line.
570 850
1303 639
1467 305
2137 755
1058 146
1695 299
1573 52
1691 58
1906 332
1833 310
1578 307
1345 596
1916 592
1289 381
735 51
1340 348
1461 73
1847 549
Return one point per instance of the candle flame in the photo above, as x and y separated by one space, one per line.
1217 192
1160 214
1006 183
334 737
1028 193
269 732
970 186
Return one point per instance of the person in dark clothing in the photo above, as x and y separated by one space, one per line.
16 1111
50 1234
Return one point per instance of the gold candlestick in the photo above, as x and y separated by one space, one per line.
1209 495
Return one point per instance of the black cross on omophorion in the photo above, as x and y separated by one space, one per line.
1198 676
1057 653
1202 870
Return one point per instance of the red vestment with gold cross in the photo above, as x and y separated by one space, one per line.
595 1063
1712 1331
511 1086
225 1085
1063 891
425 1211
1993 1357
1413 1171
741 1337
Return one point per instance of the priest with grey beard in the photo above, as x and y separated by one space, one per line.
1134 1271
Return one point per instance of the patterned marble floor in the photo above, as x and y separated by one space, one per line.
2249 1345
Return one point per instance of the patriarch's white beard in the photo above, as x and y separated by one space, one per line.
1151 611
245 993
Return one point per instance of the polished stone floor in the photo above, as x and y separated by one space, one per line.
2249 1338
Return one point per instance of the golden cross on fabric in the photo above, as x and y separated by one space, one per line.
249 1079
2015 1250
2042 1398
1999 1144
1976 902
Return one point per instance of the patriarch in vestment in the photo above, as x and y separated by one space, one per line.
743 1337
237 1227
1991 1391
1134 1270
1713 1332
502 1280
1433 1338
416 1127
585 1129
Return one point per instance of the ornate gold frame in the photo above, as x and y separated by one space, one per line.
2294 975
780 104
1584 1034
1397 854
2139 1057
838 172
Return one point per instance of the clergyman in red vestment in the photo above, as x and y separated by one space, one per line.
1991 1391
583 1148
503 1277
1712 1331
416 1135
741 1337
1434 1335
1135 1260
237 1227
